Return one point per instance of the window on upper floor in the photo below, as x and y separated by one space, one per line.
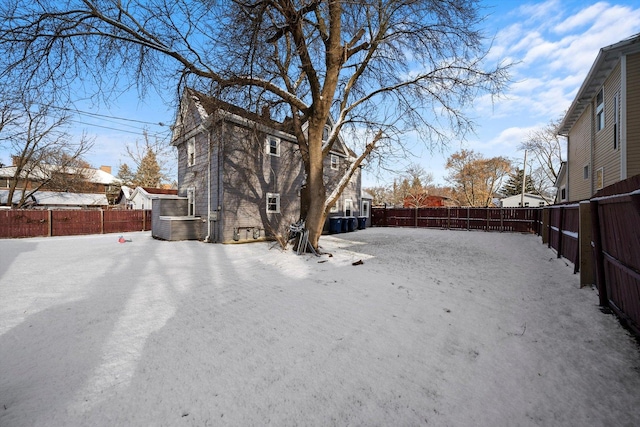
335 208
325 134
335 162
563 193
585 172
191 152
273 203
600 110
273 146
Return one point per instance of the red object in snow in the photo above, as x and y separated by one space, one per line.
121 240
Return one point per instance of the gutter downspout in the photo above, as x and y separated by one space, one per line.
208 238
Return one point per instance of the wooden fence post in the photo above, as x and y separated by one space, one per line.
560 221
501 220
101 221
585 256
598 255
448 217
50 213
468 218
144 220
488 217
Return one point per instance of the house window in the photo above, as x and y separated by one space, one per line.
335 162
600 110
526 204
335 208
348 207
599 178
541 204
325 134
273 203
273 146
563 193
191 202
365 208
191 152
585 172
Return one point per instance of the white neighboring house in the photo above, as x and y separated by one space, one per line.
530 201
58 200
141 197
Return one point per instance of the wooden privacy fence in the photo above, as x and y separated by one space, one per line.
43 223
563 228
525 220
616 241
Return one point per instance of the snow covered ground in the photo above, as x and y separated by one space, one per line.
445 328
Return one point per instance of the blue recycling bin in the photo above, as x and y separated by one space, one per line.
351 225
335 225
345 224
362 222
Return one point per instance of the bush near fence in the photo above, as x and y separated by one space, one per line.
16 223
523 220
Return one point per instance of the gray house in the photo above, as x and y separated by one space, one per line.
241 173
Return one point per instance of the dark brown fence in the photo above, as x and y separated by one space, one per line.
564 229
42 223
616 241
525 220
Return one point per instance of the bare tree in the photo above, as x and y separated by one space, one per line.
476 179
378 68
546 148
41 150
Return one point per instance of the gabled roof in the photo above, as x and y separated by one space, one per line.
529 195
605 62
207 106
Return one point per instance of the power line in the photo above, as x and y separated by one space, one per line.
139 132
89 113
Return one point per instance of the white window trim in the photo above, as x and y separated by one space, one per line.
268 146
191 201
586 172
363 211
335 160
271 196
348 202
563 188
328 131
336 207
191 152
600 116
600 178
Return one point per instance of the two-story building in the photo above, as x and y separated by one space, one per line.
242 173
602 124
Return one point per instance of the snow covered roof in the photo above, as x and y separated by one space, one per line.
58 198
44 171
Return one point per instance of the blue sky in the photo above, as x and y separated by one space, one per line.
552 43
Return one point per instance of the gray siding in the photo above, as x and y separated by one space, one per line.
249 173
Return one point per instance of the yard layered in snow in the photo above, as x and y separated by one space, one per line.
436 327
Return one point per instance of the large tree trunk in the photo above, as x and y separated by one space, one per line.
313 202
